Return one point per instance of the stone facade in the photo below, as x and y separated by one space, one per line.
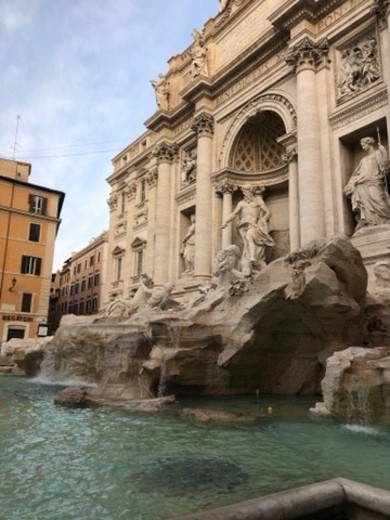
270 95
80 283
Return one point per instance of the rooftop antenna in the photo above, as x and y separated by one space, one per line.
16 137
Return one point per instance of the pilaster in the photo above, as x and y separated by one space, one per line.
204 127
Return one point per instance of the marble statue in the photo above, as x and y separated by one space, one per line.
160 86
123 308
253 215
228 262
367 187
188 173
199 56
188 252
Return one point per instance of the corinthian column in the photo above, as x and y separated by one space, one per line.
293 197
304 57
203 125
226 189
164 153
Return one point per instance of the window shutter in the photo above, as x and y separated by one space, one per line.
38 266
31 203
44 206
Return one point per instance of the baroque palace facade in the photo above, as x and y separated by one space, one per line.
274 97
29 221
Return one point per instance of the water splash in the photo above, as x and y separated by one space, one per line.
162 384
48 374
358 405
172 342
358 428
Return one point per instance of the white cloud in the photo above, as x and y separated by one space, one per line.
78 71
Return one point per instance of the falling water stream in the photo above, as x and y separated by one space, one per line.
87 464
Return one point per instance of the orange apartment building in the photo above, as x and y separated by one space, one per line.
29 221
79 285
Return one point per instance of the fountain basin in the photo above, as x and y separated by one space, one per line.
335 499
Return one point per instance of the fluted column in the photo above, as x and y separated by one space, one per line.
293 198
204 127
164 153
304 57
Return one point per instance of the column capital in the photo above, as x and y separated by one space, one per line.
381 9
291 155
165 152
151 179
307 54
225 187
203 124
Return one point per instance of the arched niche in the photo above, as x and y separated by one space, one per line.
256 156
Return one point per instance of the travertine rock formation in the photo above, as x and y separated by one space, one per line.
25 354
356 386
273 335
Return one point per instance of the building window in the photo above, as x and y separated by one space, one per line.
26 302
89 306
82 307
76 288
123 202
117 268
138 247
34 232
143 191
31 265
37 204
139 260
83 285
91 260
90 282
15 332
97 279
78 268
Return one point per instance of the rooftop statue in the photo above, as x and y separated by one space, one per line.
367 187
160 86
199 56
223 4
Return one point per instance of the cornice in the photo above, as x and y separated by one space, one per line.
236 178
358 108
294 11
186 195
160 120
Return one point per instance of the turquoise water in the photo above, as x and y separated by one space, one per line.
97 464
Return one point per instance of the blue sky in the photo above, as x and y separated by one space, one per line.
78 73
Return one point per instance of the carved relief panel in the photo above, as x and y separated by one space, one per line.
358 66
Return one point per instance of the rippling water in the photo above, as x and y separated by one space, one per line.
97 464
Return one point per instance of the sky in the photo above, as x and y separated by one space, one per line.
75 90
